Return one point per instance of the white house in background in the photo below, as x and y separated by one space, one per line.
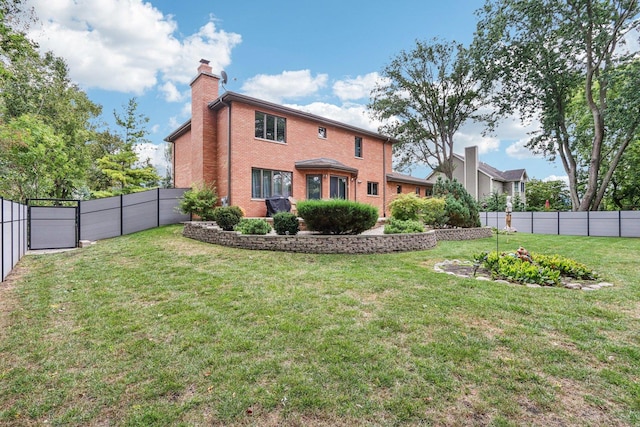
482 180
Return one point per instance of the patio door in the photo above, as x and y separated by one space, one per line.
338 187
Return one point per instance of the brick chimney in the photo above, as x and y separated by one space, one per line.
204 89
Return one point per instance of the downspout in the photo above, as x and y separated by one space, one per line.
228 150
384 178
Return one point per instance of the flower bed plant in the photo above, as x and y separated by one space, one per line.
523 267
253 226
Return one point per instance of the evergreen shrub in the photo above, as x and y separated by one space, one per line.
337 216
286 223
227 217
253 226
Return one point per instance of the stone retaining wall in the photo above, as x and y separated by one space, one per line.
463 233
328 244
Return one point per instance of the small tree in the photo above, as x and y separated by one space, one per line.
460 207
200 201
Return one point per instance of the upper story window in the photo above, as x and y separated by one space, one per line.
358 146
418 191
270 127
522 187
399 189
322 132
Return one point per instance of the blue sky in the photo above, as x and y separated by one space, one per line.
320 56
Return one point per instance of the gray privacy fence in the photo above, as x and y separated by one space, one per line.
599 223
13 234
55 227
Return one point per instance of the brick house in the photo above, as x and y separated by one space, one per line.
253 149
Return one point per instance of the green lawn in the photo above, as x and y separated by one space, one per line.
156 329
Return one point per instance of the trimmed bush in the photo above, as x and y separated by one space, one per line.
337 216
286 223
461 209
253 226
407 207
227 217
434 212
397 226
200 201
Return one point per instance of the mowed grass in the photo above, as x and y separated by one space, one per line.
156 329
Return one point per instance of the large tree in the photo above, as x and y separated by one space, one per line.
120 169
426 94
554 193
540 54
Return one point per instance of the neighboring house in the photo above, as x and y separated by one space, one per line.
252 150
482 180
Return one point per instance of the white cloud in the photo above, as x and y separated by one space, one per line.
485 143
287 85
124 45
155 154
353 114
358 88
170 92
518 150
564 178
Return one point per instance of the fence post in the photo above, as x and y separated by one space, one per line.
158 206
588 225
558 223
619 223
121 214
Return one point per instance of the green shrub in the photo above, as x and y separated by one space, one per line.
337 216
397 226
200 201
461 209
286 223
407 207
253 226
227 217
434 212
522 267
565 266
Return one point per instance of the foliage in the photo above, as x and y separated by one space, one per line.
121 168
227 217
624 192
337 216
397 226
429 210
253 226
461 209
426 95
556 192
286 223
522 267
32 159
434 212
563 63
40 87
407 207
566 266
200 200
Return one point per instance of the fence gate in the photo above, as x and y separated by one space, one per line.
53 227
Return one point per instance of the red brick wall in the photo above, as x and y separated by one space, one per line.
302 143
